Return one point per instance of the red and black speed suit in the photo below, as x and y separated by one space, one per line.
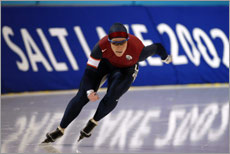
120 71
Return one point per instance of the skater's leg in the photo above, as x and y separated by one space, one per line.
80 100
72 111
74 108
118 85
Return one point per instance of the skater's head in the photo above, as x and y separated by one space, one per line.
118 30
118 38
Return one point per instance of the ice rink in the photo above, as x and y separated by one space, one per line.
180 119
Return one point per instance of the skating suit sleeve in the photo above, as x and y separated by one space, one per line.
91 74
153 49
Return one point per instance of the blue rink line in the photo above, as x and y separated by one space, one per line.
186 119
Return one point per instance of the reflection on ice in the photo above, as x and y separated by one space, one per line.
177 120
184 126
49 148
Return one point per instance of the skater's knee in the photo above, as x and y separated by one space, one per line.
109 102
108 99
113 94
79 99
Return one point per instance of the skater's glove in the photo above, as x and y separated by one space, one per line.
92 96
168 59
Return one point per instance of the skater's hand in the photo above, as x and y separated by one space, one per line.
93 96
168 59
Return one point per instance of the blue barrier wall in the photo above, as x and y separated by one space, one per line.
46 48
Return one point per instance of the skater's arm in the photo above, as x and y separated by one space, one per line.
153 49
90 78
91 71
94 58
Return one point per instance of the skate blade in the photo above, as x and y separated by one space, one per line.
46 141
80 138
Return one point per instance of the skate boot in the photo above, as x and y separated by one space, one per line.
53 136
86 132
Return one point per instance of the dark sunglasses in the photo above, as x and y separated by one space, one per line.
118 42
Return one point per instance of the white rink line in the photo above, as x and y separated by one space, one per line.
138 88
